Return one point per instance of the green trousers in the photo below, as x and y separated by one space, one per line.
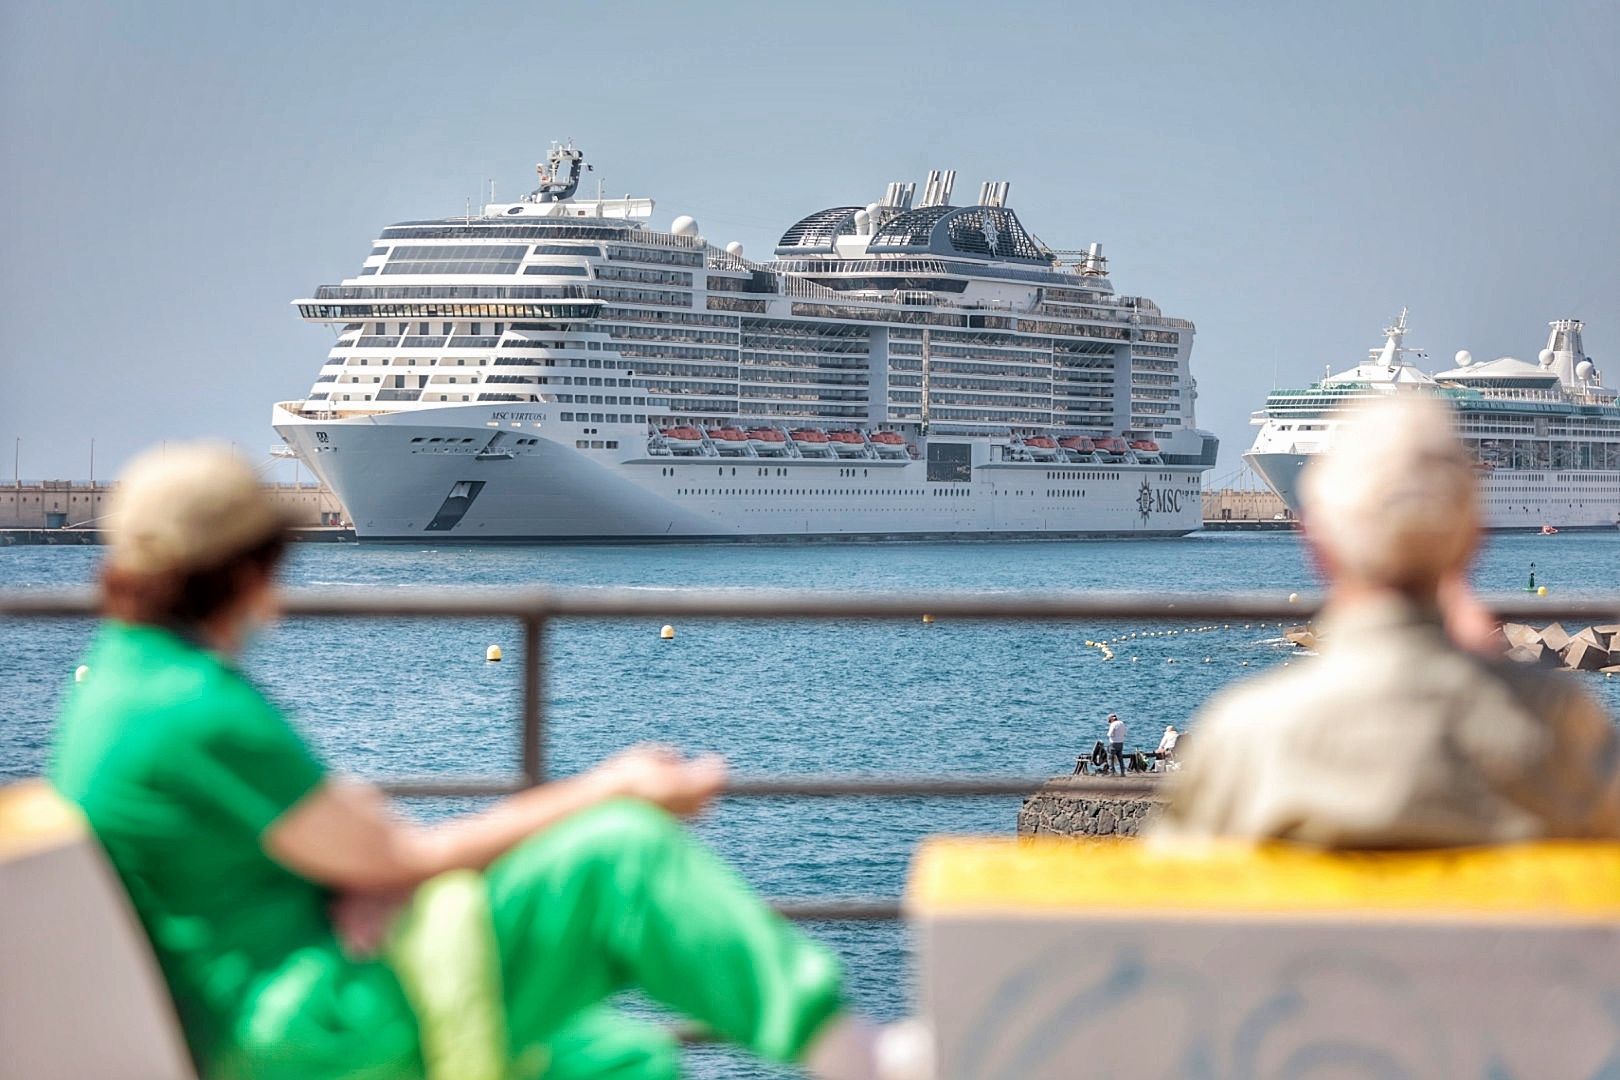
622 897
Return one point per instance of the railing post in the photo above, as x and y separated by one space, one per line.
533 756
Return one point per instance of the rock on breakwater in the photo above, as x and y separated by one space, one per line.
1055 812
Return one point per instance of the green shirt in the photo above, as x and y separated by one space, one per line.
180 765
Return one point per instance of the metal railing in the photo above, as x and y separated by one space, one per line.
535 609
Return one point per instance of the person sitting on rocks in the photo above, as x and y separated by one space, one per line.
1399 734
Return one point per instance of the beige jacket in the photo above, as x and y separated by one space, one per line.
1394 737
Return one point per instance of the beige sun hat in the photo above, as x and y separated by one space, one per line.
190 507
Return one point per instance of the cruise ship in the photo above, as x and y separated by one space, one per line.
1546 434
556 370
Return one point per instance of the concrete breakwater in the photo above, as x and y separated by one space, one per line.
1055 812
1590 648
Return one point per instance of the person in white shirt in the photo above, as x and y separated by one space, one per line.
1167 744
1116 743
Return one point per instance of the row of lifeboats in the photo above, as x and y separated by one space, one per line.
775 442
1080 448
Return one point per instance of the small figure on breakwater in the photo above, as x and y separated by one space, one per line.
1402 733
1116 743
1166 752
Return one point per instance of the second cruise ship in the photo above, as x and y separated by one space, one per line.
553 369
1546 434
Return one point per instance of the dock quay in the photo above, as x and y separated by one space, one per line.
67 512
1246 510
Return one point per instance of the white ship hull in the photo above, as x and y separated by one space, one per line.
537 487
1512 498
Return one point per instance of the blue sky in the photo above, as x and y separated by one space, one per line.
1286 175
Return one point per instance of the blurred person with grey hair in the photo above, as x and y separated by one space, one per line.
1402 733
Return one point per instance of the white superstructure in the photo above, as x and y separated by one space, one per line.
555 370
1546 434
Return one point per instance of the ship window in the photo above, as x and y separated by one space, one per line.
455 259
567 249
556 270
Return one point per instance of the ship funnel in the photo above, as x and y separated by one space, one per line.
994 192
1567 352
937 189
898 196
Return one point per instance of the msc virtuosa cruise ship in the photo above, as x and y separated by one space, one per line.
554 369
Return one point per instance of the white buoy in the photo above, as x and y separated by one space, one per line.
81 673
1293 598
492 653
667 633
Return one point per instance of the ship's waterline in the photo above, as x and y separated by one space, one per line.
552 370
428 475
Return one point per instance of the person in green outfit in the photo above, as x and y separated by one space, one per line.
307 932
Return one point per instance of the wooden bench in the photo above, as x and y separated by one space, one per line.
81 997
1072 958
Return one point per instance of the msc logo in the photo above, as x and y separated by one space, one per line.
320 437
1162 501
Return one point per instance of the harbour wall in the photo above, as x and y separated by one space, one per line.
1051 812
1242 506
56 504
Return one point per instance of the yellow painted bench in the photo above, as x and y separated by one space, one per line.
1053 958
80 992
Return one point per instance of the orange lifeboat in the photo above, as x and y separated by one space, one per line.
728 440
1041 447
889 443
766 440
1079 444
1111 445
812 441
847 443
683 437
1145 446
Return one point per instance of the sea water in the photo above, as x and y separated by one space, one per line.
416 697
